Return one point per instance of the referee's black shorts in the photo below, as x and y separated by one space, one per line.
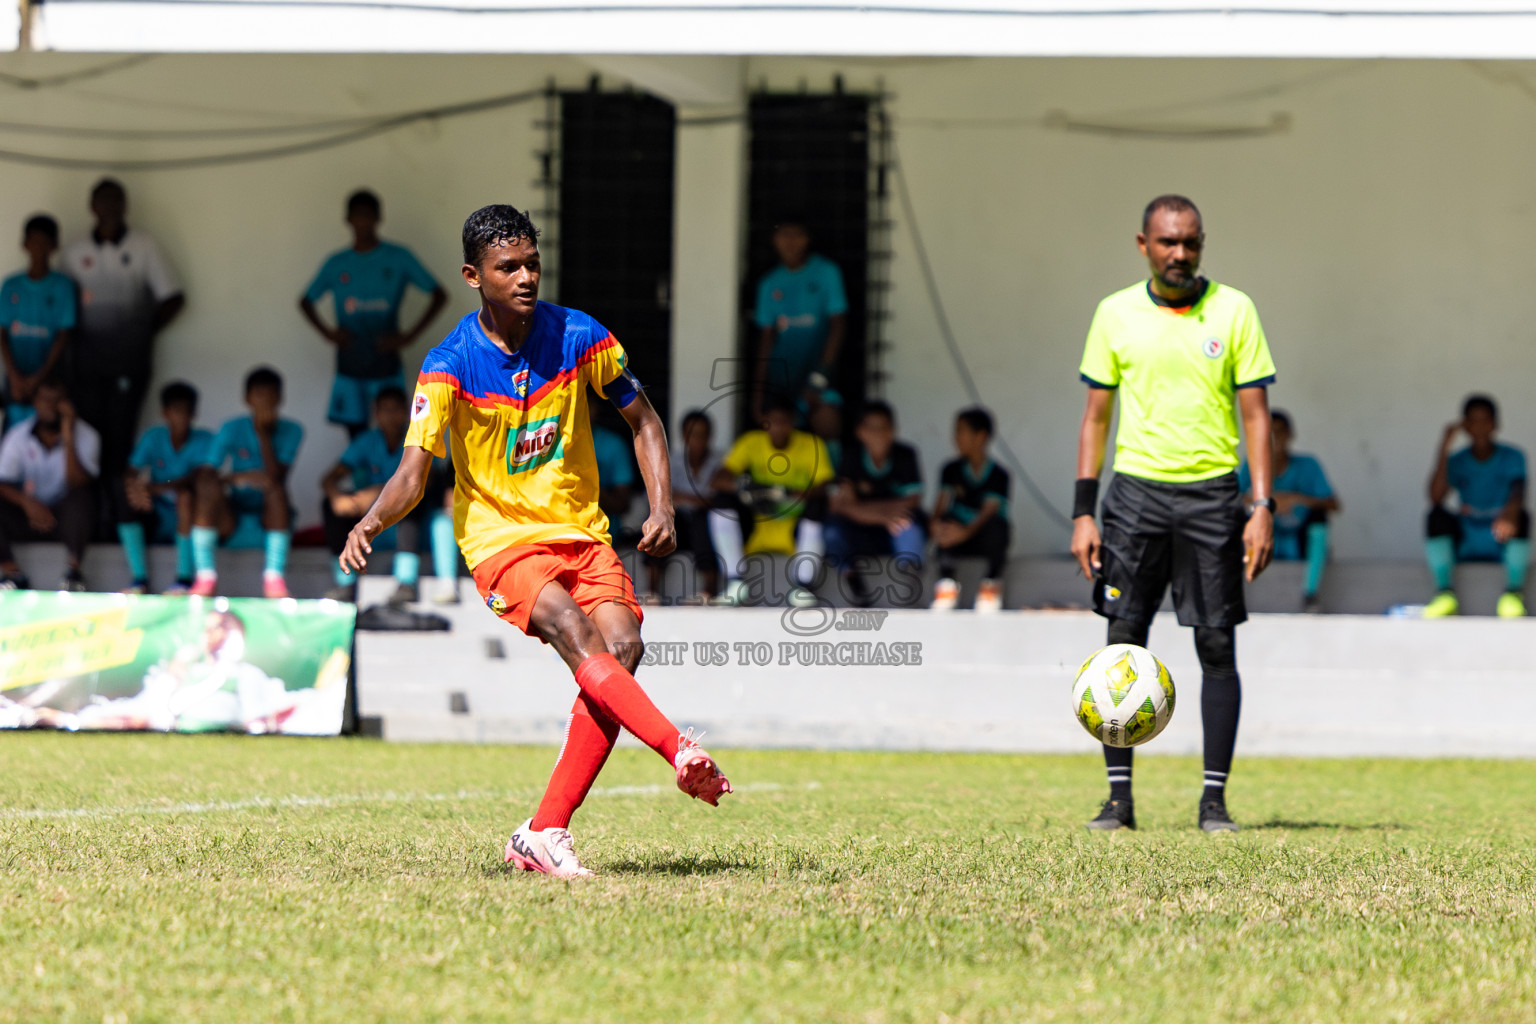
1190 535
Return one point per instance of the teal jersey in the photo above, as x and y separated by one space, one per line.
799 305
367 288
238 446
370 459
155 455
1484 486
33 313
615 466
1303 475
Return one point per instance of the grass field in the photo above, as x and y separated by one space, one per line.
220 878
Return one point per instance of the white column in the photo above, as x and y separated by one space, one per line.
708 224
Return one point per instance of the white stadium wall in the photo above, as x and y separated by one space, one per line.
1382 228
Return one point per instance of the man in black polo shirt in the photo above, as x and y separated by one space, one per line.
875 505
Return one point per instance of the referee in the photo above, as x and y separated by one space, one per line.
1186 355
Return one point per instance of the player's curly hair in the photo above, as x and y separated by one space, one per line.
492 225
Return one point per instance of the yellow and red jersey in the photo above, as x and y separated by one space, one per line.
519 428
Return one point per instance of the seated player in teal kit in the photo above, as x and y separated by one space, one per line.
242 488
1303 500
159 488
1491 523
353 484
37 314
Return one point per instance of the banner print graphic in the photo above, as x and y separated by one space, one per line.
172 664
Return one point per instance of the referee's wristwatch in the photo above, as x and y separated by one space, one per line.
1268 503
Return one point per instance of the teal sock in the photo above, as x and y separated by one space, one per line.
205 545
183 557
132 537
407 567
1317 557
277 550
445 549
1440 552
1517 555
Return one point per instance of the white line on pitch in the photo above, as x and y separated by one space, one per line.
341 800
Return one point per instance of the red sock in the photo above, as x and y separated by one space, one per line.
588 741
615 691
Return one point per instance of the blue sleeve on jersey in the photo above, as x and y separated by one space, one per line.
1096 384
325 280
1262 382
144 450
764 315
1456 469
832 281
286 444
356 455
1516 461
67 302
1317 481
223 443
623 388
417 274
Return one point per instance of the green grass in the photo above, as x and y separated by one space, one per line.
835 887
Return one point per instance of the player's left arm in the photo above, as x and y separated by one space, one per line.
1259 534
659 534
400 494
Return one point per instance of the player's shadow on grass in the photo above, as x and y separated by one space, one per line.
683 866
1334 826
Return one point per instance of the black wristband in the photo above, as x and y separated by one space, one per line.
1085 502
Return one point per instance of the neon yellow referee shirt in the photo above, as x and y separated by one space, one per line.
1178 371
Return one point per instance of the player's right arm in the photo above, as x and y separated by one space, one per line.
393 504
1092 439
322 284
427 435
1440 479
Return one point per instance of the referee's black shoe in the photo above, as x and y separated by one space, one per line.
1214 817
1115 814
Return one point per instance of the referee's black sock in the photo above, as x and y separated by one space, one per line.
1117 760
1117 765
1221 701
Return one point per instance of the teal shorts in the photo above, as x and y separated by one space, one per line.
352 398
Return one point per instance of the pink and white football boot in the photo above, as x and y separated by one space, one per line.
551 851
697 773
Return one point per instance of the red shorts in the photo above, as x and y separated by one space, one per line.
510 581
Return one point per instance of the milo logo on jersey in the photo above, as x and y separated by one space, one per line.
533 444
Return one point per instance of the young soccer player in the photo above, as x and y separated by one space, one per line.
159 488
875 506
1492 523
367 283
1303 499
507 391
37 315
367 464
786 473
49 463
244 483
970 515
1187 357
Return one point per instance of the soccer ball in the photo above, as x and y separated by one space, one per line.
1123 695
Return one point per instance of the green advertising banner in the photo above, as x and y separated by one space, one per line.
173 664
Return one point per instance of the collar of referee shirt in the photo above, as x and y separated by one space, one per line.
1201 286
